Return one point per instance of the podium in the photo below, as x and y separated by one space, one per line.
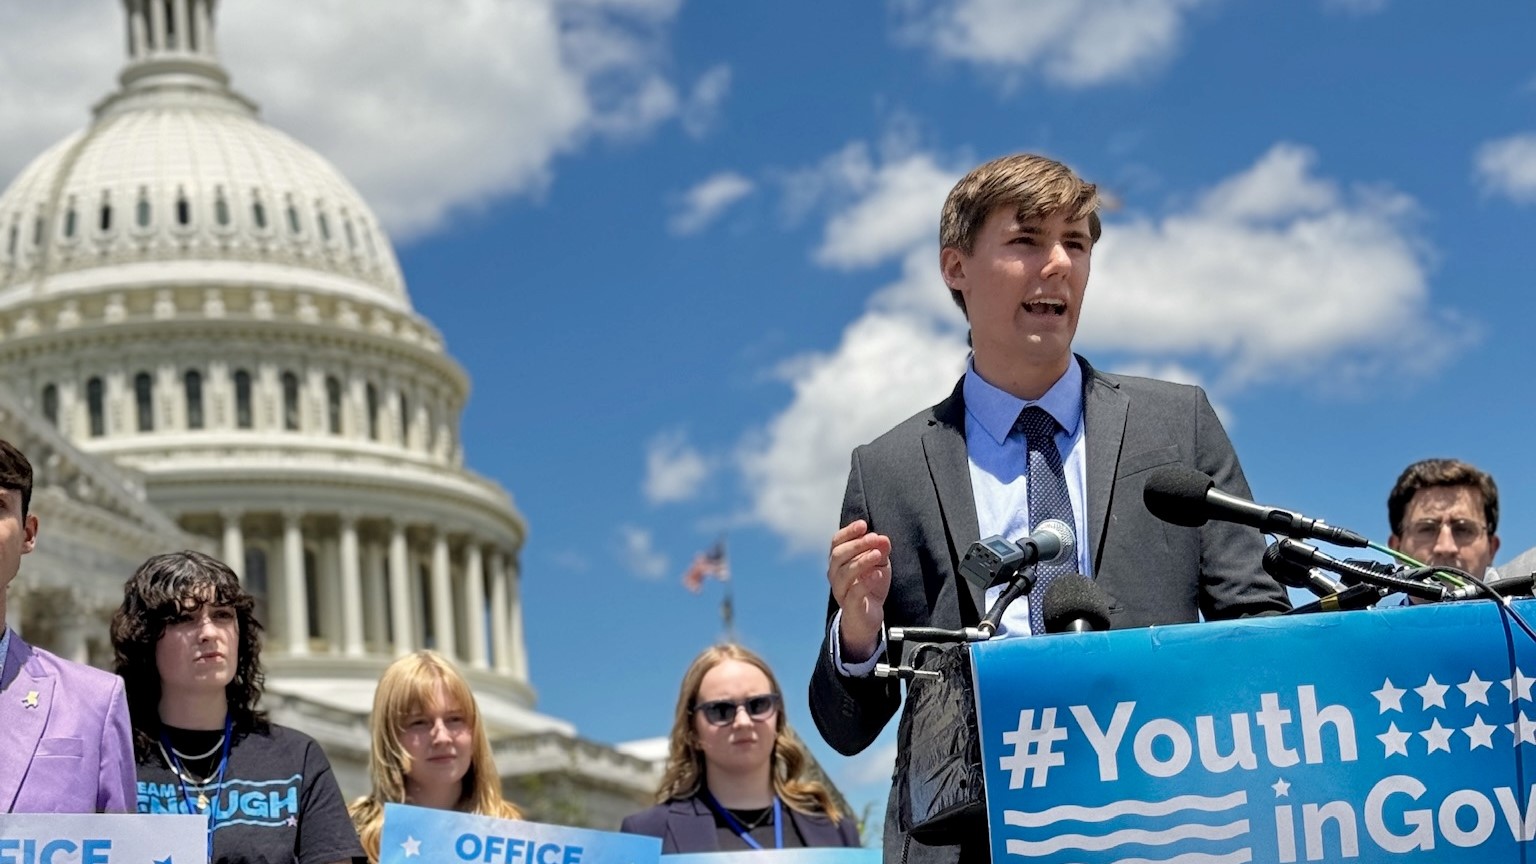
1384 735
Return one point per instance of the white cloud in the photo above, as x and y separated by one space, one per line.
674 470
706 201
872 766
887 367
1507 167
638 553
898 209
425 113
1274 271
702 108
1068 42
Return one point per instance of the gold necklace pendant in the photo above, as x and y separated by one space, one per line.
202 800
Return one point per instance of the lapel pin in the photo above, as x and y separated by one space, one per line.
30 700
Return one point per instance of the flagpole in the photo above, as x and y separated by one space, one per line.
727 605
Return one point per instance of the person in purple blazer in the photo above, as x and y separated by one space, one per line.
735 774
64 731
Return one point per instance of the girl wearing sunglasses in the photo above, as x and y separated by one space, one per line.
429 747
734 775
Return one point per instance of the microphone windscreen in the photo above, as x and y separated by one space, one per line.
1285 571
1176 494
1074 597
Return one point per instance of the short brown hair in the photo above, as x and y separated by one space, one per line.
1433 473
16 473
1037 186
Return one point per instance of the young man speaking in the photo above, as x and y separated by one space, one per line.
1031 432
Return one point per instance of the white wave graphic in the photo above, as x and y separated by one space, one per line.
1130 835
1076 813
1241 856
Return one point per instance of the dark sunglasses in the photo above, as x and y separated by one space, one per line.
722 712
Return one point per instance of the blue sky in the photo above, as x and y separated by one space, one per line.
686 253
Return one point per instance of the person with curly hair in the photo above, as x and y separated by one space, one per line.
188 647
734 777
429 747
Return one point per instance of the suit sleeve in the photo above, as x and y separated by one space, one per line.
850 712
116 786
1233 583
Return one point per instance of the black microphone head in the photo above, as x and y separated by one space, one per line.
1286 572
1072 598
1176 494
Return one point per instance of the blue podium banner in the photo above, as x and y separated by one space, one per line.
780 856
421 835
1402 735
112 838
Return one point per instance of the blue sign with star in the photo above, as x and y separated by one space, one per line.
422 835
1402 735
112 838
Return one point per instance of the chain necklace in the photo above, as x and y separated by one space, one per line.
758 821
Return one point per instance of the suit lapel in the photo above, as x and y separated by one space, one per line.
692 826
1104 413
21 726
950 470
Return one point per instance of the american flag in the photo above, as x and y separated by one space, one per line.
707 564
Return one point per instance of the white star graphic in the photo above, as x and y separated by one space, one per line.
1475 690
1433 693
1519 687
1438 736
1389 695
1480 732
1282 788
1395 741
1524 730
412 846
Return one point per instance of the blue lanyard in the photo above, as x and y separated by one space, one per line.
186 797
741 830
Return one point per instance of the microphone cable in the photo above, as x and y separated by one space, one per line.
1462 579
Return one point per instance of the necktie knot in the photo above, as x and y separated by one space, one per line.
1037 425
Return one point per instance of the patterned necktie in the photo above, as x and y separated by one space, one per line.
1048 499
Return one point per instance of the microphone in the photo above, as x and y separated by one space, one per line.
1293 575
1073 603
1509 586
996 559
1184 496
1309 556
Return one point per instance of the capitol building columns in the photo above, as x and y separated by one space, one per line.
348 583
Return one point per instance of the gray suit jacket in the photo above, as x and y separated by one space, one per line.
913 484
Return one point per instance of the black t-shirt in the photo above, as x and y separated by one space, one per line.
760 825
278 804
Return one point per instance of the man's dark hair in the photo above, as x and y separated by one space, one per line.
1433 473
160 592
16 473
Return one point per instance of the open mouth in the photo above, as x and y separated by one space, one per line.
1046 307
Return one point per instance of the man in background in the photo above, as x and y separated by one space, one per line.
1446 512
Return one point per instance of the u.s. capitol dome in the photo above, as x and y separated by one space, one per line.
206 339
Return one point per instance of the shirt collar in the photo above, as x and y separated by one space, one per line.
997 410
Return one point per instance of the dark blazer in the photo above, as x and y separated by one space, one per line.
686 825
913 484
